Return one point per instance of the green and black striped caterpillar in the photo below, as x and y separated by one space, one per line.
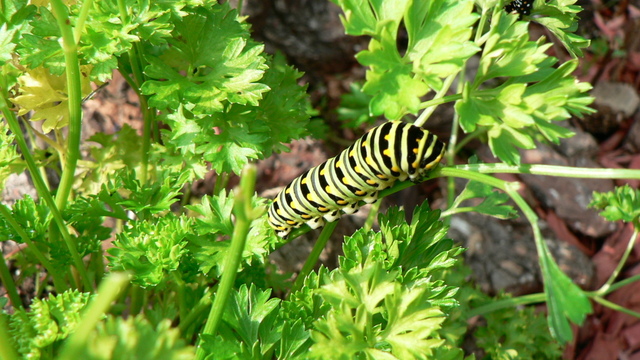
387 153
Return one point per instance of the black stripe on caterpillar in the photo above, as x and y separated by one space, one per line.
387 153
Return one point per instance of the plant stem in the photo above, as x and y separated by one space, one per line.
630 245
615 306
74 97
373 213
9 285
245 213
507 303
313 257
57 277
42 189
552 170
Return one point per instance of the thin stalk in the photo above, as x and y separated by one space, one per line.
313 257
74 96
440 101
108 291
615 306
507 303
618 285
194 313
245 213
630 245
9 285
373 213
552 170
40 186
446 84
57 277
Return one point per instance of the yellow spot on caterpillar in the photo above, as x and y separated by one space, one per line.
279 212
328 189
306 216
304 181
387 137
371 182
360 192
293 204
288 191
387 152
341 202
322 172
352 153
419 140
364 143
358 169
338 163
309 197
383 177
369 160
345 180
395 169
415 150
415 165
323 209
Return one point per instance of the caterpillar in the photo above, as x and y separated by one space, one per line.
522 7
387 153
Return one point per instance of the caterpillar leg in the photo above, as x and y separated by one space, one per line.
315 223
350 208
332 216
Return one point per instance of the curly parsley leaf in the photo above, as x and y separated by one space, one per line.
527 104
137 339
223 65
439 44
40 330
621 204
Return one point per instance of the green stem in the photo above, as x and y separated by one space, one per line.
615 286
74 96
439 101
615 306
446 84
42 189
506 303
552 170
373 213
9 285
57 277
108 291
630 245
194 314
313 257
245 213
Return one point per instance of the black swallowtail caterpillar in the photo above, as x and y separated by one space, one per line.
522 7
387 153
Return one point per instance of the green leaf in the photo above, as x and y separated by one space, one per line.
354 107
41 330
490 202
251 315
209 243
560 17
534 95
621 204
439 44
134 338
222 64
566 302
151 250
